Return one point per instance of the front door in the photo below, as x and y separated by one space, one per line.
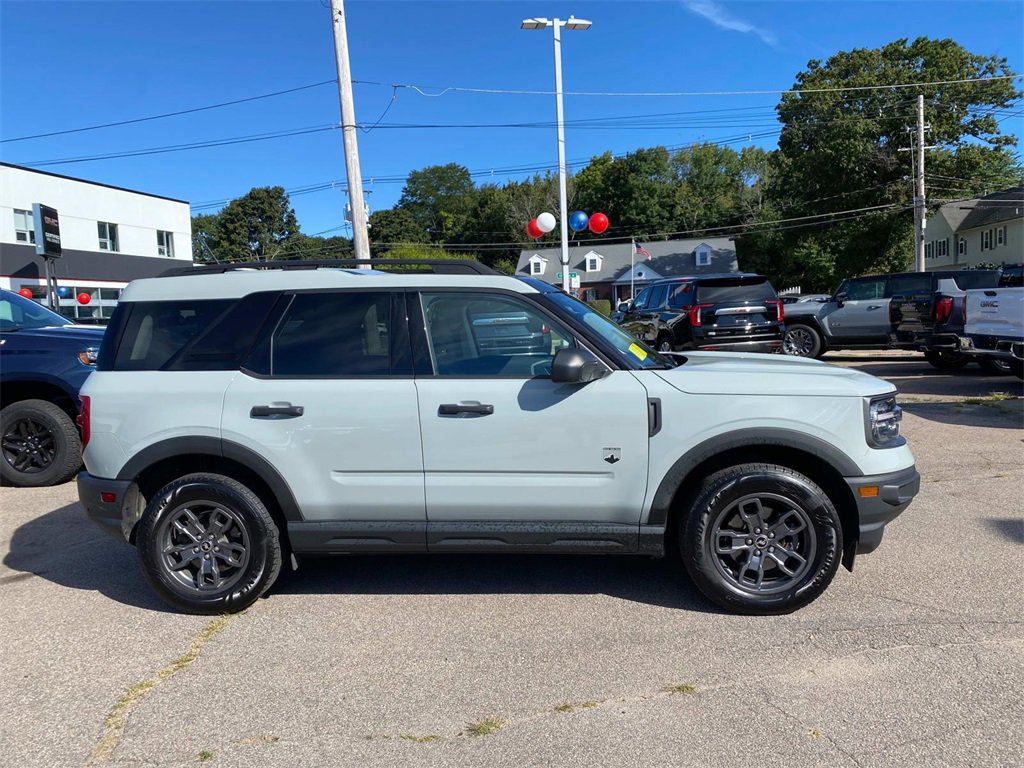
502 442
865 311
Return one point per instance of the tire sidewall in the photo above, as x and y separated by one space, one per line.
815 349
258 572
697 541
68 446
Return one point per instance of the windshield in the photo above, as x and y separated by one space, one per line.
740 289
18 313
632 351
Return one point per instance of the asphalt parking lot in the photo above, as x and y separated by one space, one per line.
915 659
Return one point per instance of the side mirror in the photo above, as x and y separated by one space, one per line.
576 366
840 298
625 306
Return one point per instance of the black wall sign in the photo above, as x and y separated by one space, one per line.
47 227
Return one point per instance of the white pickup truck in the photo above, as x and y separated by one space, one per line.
994 325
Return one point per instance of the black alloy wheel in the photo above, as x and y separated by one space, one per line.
801 341
208 545
761 539
39 444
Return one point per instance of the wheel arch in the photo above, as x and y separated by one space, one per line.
160 463
823 463
17 390
814 323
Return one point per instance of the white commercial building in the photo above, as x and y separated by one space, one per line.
109 237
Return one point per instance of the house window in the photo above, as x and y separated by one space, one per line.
1000 236
24 227
942 248
165 244
536 268
929 250
986 240
703 258
961 246
108 236
593 265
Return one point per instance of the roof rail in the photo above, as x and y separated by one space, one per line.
437 266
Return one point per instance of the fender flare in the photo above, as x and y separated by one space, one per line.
213 446
743 438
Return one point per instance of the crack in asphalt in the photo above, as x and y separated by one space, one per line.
116 721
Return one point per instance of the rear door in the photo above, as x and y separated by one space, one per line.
327 397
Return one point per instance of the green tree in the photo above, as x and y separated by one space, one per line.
258 226
396 225
439 198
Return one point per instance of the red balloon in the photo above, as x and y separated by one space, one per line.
598 223
84 298
26 292
532 229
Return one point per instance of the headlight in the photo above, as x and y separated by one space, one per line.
884 417
88 356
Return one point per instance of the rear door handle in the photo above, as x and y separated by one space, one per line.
282 411
465 409
875 306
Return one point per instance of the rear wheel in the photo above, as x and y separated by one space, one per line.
761 539
946 361
39 444
802 341
664 343
208 545
996 366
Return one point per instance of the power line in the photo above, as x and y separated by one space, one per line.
171 114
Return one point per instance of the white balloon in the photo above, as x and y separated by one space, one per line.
546 222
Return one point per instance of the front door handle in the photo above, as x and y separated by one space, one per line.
875 306
465 409
282 411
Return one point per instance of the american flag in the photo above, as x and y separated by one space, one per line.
639 250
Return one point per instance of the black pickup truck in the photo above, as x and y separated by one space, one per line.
930 317
44 360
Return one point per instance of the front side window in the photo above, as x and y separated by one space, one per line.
18 313
863 290
165 244
24 226
643 300
480 334
658 295
107 236
910 285
333 334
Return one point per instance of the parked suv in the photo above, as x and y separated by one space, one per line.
44 360
244 417
861 315
735 311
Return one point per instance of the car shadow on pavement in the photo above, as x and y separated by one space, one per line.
66 548
995 414
661 582
1010 527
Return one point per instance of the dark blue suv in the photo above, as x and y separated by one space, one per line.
44 360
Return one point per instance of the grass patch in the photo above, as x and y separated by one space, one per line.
205 755
428 739
484 727
687 689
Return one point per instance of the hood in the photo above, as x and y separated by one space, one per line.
86 335
718 373
806 308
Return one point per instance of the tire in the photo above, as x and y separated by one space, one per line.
1017 368
802 341
223 523
996 366
39 444
946 361
664 343
753 503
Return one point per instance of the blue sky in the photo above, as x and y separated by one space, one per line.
74 64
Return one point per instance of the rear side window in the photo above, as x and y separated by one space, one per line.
681 296
910 285
722 291
977 279
155 331
330 334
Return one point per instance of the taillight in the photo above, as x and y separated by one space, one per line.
779 308
84 419
943 309
695 311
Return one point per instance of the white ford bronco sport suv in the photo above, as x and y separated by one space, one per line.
243 416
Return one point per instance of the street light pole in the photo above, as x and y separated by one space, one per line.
563 215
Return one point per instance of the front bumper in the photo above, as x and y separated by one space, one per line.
880 499
106 514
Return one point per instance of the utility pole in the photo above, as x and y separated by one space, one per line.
360 238
919 210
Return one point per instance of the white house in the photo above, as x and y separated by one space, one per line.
109 236
982 230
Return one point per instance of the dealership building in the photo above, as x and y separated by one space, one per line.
109 236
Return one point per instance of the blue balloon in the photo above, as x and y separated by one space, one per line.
64 292
578 220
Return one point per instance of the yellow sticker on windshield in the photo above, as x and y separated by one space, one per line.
638 351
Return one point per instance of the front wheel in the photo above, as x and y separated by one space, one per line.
208 545
664 343
39 444
761 539
802 341
996 366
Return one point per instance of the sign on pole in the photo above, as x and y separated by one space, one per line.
47 227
